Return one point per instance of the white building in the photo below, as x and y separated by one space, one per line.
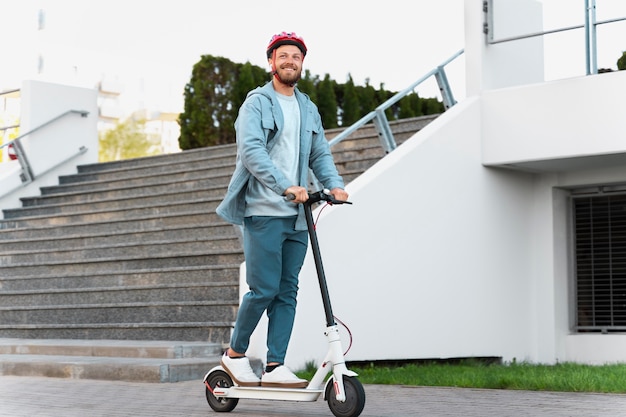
496 231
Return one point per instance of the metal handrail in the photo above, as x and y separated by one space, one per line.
590 31
380 118
83 113
551 31
27 175
8 92
9 127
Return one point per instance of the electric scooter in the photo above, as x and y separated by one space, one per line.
343 391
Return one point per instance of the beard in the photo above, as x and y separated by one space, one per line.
289 77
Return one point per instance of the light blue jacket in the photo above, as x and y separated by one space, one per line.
260 119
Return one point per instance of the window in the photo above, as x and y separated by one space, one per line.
599 225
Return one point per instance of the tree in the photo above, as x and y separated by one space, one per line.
245 82
383 95
207 118
213 96
125 141
432 106
405 107
208 99
621 62
350 104
367 98
308 85
327 102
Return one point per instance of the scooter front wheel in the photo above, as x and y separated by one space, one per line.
223 380
355 398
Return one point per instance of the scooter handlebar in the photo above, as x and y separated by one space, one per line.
323 195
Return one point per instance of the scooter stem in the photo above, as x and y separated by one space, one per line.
317 257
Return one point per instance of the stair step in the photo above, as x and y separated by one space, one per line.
11 230
143 313
173 234
154 349
207 184
181 275
135 361
195 189
214 166
216 332
173 292
123 264
110 369
72 223
56 205
205 245
206 175
112 214
201 153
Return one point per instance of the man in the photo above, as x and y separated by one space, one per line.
279 137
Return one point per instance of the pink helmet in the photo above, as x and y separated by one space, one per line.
285 38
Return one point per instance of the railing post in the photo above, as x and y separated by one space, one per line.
444 87
590 37
27 173
384 131
488 20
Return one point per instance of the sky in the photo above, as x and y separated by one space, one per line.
150 46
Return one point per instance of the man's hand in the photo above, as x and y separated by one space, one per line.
339 194
300 193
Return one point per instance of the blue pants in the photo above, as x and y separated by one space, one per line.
274 254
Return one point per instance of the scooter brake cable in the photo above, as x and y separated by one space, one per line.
318 215
349 334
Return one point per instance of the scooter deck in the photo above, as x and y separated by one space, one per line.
263 393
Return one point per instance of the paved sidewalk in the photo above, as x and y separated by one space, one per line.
37 396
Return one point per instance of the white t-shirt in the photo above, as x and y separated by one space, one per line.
285 155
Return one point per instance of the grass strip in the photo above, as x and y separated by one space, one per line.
563 377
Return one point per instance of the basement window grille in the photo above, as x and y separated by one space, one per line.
599 225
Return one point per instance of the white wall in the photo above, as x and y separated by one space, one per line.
503 64
559 119
45 148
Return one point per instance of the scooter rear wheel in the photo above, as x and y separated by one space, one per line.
355 398
223 380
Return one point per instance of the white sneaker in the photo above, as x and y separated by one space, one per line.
282 377
240 371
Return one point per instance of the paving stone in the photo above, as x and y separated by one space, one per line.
53 397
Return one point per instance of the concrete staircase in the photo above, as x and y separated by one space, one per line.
133 251
124 250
